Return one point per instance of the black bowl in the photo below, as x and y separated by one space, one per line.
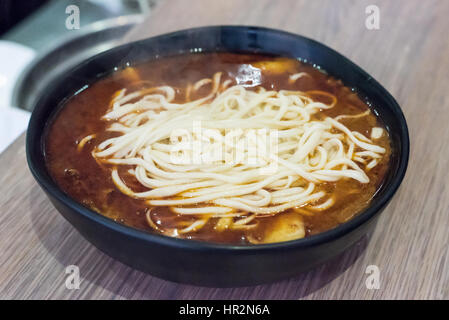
204 263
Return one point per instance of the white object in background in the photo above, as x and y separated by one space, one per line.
13 121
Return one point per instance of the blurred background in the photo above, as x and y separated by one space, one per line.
39 39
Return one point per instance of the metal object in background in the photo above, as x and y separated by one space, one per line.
93 39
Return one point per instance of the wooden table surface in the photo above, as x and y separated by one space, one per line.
409 55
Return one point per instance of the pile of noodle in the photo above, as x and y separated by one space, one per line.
302 152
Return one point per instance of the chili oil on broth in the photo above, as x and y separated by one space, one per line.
89 182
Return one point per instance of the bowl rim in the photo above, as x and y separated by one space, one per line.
341 230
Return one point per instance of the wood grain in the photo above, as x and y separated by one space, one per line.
409 55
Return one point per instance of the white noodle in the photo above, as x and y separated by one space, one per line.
309 151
